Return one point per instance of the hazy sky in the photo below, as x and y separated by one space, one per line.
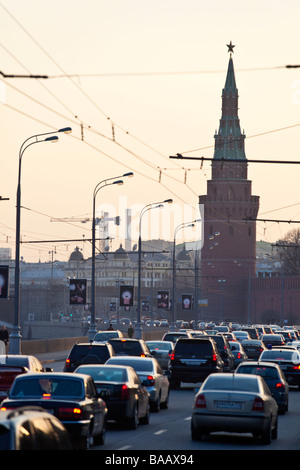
143 80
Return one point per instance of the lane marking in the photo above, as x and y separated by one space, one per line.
160 432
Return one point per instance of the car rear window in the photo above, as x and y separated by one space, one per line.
54 387
80 352
131 348
104 374
138 366
264 371
281 355
105 336
163 345
235 383
192 348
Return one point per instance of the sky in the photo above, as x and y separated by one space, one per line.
138 82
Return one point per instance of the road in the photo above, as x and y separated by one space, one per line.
170 429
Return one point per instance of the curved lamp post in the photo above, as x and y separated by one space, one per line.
153 205
15 337
102 184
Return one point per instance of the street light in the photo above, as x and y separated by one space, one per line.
180 226
153 205
15 336
102 184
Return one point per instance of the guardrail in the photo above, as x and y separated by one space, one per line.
41 346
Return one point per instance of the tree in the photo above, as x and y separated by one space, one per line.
288 251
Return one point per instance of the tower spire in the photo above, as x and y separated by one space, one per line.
229 141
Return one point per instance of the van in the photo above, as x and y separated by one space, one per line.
193 359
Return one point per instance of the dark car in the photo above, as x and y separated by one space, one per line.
126 398
193 359
32 429
238 352
151 375
272 340
274 378
72 398
253 348
253 332
288 360
130 347
225 351
88 353
13 365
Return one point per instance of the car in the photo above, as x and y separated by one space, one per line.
238 352
105 335
72 398
151 375
87 353
32 428
288 360
126 398
225 351
222 329
295 344
193 359
241 335
130 347
272 340
161 351
238 403
173 336
253 348
253 332
274 378
12 365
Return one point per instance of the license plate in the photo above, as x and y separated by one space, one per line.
192 362
229 405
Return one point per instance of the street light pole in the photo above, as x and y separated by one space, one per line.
146 208
102 184
180 226
15 336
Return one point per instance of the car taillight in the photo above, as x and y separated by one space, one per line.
214 357
68 363
279 385
200 401
239 356
258 404
172 356
69 412
150 381
297 367
124 392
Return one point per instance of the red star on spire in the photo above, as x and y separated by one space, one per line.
230 47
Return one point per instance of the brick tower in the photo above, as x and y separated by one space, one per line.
228 265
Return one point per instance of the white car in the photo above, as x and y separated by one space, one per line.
235 403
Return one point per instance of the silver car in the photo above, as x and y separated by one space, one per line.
151 376
161 351
235 403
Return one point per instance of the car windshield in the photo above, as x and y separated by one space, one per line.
233 383
104 374
264 371
138 366
50 387
193 348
